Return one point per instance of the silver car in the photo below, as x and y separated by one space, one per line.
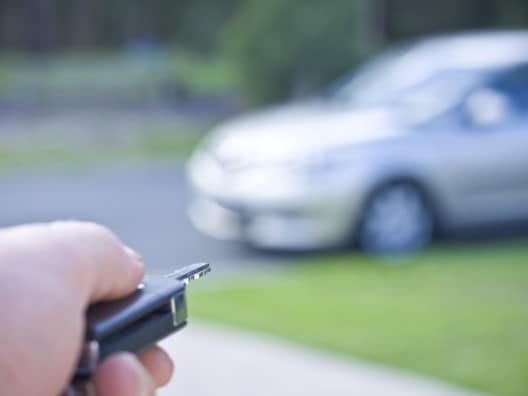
429 135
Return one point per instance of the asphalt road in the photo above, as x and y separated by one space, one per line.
144 205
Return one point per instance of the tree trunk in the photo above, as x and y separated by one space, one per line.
41 22
83 24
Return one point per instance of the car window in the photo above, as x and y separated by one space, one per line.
371 81
385 77
513 84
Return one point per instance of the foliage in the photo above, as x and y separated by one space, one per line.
410 18
126 75
284 46
281 47
287 46
456 313
210 73
57 24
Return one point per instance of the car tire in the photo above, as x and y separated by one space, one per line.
397 218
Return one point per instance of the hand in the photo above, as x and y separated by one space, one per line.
49 274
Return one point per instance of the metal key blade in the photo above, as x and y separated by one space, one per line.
190 272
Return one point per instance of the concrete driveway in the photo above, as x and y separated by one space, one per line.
217 361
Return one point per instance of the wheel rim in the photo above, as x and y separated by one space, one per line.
396 219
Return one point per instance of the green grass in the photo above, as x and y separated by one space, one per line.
205 74
159 145
99 74
456 313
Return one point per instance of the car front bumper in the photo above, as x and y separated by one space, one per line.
305 228
271 208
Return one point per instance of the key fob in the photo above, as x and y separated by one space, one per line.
155 310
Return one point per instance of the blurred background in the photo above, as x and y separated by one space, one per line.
355 170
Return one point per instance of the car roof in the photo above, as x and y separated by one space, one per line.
472 50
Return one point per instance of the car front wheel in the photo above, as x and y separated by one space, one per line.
396 218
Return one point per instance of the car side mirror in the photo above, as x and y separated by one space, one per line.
486 107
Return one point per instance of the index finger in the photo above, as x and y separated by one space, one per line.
86 257
111 270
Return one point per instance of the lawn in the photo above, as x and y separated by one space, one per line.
458 313
130 74
154 146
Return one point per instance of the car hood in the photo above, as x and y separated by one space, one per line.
288 132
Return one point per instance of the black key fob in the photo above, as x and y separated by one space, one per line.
155 310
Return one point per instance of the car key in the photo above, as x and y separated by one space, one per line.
155 310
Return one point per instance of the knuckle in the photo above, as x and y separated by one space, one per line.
78 236
83 230
98 231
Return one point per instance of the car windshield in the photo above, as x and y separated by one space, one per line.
401 75
438 94
372 82
408 78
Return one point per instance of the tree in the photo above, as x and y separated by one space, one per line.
284 46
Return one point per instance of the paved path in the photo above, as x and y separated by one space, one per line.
215 361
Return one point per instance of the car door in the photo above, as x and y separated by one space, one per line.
486 169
